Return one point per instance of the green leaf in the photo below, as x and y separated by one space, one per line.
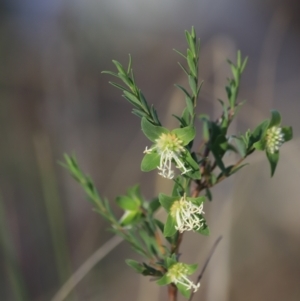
169 229
191 268
167 201
127 203
195 172
180 53
127 80
119 67
193 85
118 86
234 170
273 160
183 291
150 162
132 97
191 63
275 118
189 105
185 119
129 217
259 132
205 128
170 261
288 133
204 230
164 280
154 205
241 146
139 268
260 145
208 194
197 201
186 135
152 132
129 64
183 90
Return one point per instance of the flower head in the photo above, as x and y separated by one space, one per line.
184 214
178 273
270 136
274 139
168 149
187 215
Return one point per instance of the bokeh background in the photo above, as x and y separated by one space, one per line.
54 99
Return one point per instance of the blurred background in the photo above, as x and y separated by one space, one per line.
54 99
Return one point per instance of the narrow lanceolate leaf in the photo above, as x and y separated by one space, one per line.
139 268
193 85
189 105
152 132
193 165
191 63
119 67
132 97
183 90
169 229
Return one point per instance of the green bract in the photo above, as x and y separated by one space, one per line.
169 148
184 214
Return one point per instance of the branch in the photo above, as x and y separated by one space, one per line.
206 263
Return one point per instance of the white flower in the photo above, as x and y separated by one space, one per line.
178 272
274 139
170 148
186 215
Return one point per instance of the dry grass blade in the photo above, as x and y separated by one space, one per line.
86 267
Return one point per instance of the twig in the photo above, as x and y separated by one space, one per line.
206 263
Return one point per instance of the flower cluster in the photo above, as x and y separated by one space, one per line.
169 147
184 214
187 215
274 139
178 272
